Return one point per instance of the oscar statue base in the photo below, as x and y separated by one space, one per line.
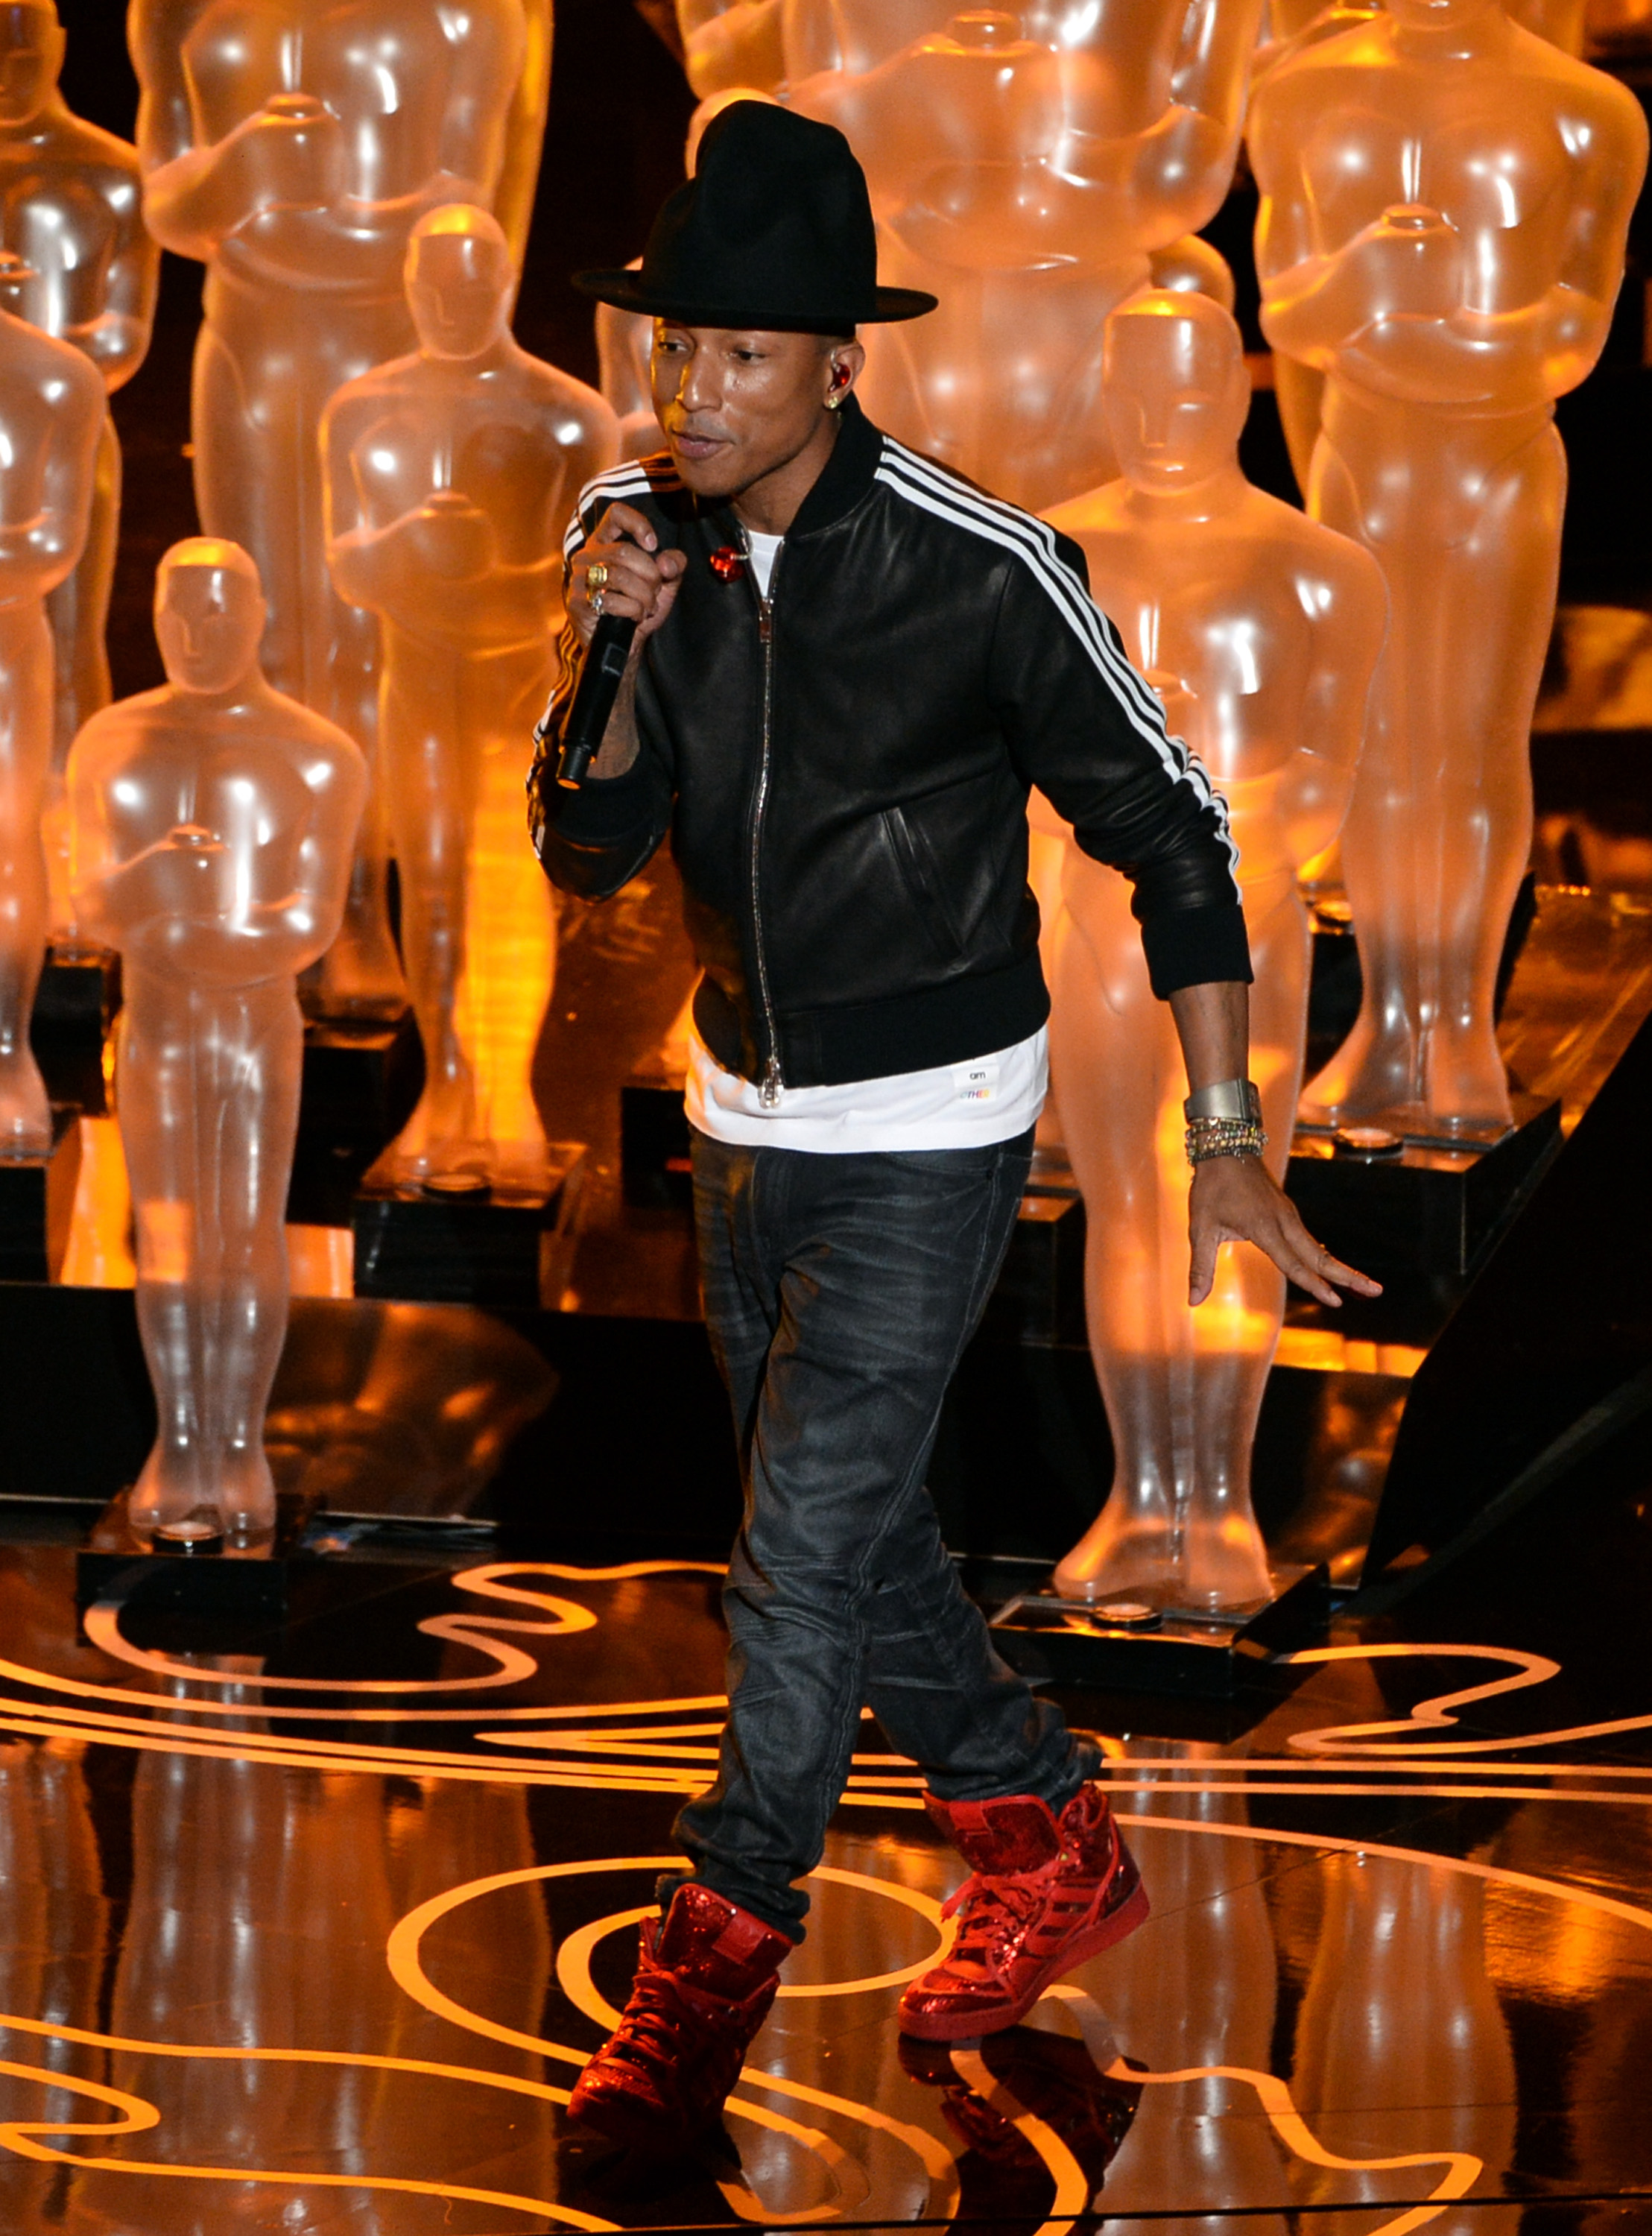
189 1570
1416 1205
1128 1647
77 1001
1038 1296
37 1202
360 1082
508 1248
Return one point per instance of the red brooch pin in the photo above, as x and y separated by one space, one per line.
728 563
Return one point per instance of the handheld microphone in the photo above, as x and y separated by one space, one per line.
606 659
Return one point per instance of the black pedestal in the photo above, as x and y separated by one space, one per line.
1430 1209
1039 1296
1071 1643
654 1168
360 1082
1536 1386
36 1203
504 1249
245 1582
76 1002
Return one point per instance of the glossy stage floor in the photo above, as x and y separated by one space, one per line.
310 1929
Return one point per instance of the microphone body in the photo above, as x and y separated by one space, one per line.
606 661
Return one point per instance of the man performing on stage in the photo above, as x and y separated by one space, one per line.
850 666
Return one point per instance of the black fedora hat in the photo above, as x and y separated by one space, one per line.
774 230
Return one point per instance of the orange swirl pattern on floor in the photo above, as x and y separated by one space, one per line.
655 1759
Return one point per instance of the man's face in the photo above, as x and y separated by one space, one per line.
208 620
31 54
739 403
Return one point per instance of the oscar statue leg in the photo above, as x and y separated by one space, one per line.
361 973
1438 833
511 934
1378 1068
434 775
78 610
262 1057
25 763
155 1084
1111 1057
1236 1333
1495 617
1299 391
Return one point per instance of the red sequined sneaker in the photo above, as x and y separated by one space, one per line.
706 1978
1048 1893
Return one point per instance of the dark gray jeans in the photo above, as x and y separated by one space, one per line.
840 1291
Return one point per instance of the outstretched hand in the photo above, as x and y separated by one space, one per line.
1238 1200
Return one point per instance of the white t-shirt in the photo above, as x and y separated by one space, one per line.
956 1106
765 550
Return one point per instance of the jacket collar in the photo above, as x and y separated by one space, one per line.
844 479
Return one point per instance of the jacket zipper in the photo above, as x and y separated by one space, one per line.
773 1085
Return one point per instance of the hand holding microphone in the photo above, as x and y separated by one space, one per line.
623 586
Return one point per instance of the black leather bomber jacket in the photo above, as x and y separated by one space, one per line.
843 768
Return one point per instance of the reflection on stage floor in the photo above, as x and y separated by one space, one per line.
310 1931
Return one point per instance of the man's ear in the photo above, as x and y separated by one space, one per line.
846 360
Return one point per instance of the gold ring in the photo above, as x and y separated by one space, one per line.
596 575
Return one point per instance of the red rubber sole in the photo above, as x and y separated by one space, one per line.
637 2126
969 2026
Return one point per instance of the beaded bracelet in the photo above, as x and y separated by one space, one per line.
1223 1137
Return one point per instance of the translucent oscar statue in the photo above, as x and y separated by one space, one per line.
291 146
1445 203
449 476
52 414
1032 169
1261 631
214 821
70 205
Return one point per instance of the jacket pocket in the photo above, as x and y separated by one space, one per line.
922 876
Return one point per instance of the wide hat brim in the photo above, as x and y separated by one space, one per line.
629 291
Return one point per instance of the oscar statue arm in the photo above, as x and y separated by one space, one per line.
525 130
1184 165
1317 296
481 84
357 553
54 479
307 922
117 339
93 858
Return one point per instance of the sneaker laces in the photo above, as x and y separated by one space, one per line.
650 2033
993 1909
